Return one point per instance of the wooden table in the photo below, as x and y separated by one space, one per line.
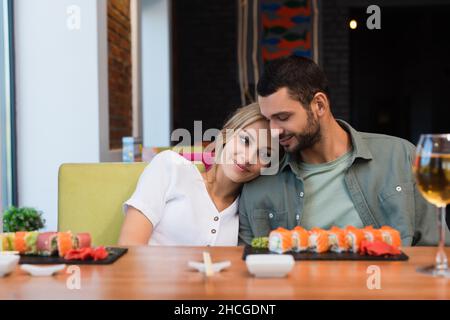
162 273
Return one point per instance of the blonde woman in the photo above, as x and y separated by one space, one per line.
175 204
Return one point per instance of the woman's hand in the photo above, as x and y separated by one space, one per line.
136 229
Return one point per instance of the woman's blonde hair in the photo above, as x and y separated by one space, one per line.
241 118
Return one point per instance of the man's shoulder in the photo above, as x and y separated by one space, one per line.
379 145
386 144
370 137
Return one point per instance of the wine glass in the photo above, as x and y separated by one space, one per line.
432 171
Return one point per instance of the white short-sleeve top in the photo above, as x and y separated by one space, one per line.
172 194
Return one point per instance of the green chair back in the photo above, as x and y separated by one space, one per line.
90 198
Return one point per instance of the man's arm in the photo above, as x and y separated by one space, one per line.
245 230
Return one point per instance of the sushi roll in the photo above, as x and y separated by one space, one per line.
300 239
3 243
30 242
19 242
47 244
280 240
338 240
391 236
372 234
64 242
10 241
7 241
82 240
319 240
354 237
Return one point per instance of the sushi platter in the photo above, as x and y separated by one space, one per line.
113 255
351 243
248 250
57 248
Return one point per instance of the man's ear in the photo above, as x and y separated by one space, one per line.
320 102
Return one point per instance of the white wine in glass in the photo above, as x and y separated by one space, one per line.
432 172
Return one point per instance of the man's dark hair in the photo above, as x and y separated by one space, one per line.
301 76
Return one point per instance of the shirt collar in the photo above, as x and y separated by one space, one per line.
360 149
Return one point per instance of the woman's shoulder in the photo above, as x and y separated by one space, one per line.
166 154
171 161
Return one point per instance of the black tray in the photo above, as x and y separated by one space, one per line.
328 255
114 254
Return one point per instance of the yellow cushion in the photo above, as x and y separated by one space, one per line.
90 197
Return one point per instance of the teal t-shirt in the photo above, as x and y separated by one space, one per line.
327 201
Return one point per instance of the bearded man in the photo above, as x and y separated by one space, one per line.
331 174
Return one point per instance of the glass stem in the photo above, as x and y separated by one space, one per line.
441 257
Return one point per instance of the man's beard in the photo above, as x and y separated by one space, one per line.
309 137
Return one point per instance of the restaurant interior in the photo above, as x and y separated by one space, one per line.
91 91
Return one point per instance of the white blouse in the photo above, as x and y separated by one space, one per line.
172 194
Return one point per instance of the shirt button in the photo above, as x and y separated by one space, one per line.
216 218
302 194
213 231
270 215
398 188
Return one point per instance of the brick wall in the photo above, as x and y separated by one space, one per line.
119 68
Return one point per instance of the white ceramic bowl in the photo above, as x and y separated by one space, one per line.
42 271
8 263
269 265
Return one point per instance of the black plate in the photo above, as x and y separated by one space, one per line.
328 255
114 254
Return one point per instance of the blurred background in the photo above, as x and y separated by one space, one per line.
78 76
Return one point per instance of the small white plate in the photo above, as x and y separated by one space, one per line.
217 267
269 265
8 263
8 253
40 271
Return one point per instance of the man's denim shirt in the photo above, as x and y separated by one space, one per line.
380 181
